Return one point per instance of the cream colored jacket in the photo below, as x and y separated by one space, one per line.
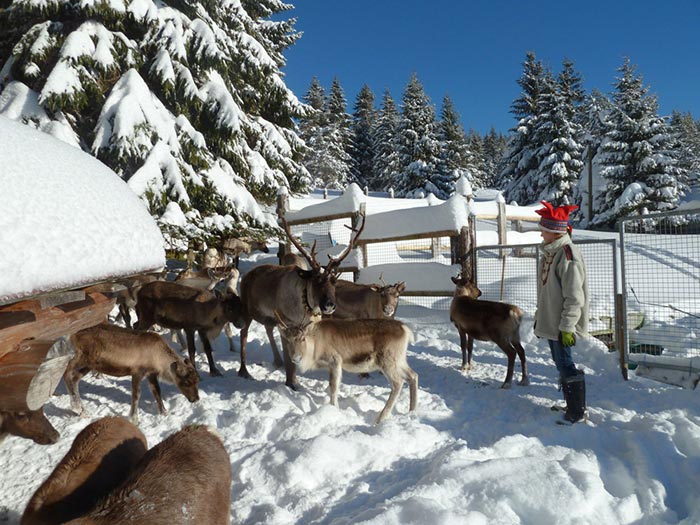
562 291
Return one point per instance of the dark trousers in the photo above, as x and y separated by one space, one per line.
562 358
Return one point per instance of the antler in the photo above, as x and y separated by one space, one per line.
334 262
310 257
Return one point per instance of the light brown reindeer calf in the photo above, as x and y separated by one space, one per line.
102 456
360 346
487 321
29 424
117 351
184 480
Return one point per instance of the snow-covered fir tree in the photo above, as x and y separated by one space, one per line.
638 160
384 138
559 133
476 160
362 151
686 131
186 101
493 147
416 142
339 137
520 163
453 153
314 129
593 117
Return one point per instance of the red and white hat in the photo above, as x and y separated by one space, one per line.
555 220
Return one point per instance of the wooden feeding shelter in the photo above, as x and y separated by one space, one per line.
75 235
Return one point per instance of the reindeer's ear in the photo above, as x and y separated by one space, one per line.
374 288
400 287
304 274
455 280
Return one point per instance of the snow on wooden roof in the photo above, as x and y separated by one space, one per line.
66 219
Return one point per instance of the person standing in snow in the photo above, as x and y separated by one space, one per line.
562 303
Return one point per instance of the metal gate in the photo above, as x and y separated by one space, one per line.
661 276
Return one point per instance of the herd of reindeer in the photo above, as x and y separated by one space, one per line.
109 475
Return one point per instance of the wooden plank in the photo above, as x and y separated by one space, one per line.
30 374
410 237
59 298
324 218
52 323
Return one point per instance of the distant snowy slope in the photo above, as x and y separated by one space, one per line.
66 219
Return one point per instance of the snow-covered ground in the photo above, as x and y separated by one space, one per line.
472 453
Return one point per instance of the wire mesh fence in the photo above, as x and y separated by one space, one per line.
661 272
509 274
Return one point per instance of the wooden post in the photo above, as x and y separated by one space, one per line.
590 185
502 224
620 334
282 208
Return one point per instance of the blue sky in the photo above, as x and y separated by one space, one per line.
473 50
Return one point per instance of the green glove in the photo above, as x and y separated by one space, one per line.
567 338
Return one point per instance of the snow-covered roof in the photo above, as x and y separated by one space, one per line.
67 220
342 206
449 216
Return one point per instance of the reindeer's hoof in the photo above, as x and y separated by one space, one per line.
244 373
506 386
293 386
467 367
525 381
215 373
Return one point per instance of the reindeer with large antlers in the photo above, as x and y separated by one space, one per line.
294 293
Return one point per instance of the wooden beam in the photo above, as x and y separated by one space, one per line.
51 323
410 237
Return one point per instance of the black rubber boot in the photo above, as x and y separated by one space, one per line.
574 388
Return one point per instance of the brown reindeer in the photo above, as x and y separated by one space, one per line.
361 346
117 351
185 479
487 321
366 301
295 293
102 456
210 279
173 305
30 424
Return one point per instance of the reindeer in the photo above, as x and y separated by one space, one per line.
209 279
117 351
213 259
236 247
294 259
293 292
126 299
102 456
366 301
173 305
361 346
184 479
30 424
487 321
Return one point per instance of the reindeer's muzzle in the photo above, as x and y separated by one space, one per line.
327 306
